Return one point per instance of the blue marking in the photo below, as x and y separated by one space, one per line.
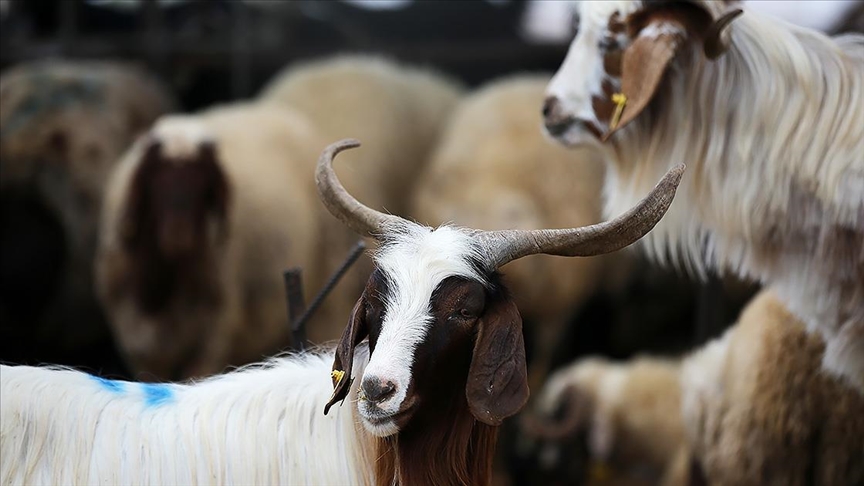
113 386
157 393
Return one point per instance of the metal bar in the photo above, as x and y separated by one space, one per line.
355 253
293 279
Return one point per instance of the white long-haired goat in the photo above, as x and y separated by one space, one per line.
445 365
773 117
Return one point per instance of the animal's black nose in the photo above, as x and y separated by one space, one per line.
377 391
554 118
550 106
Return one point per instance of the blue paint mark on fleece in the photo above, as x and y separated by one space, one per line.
113 386
157 393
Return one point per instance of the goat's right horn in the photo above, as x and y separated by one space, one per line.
715 45
503 246
363 220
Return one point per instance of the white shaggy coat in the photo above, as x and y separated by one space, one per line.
772 135
259 425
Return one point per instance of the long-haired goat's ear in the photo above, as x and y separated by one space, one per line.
642 67
497 384
343 362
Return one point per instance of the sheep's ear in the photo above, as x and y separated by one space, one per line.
497 384
642 68
220 197
355 332
138 195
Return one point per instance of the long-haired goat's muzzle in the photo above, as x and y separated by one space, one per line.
441 327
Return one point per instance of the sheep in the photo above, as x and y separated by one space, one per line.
201 217
443 367
483 174
398 109
770 198
750 407
629 414
758 409
63 125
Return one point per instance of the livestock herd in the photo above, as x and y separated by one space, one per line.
177 228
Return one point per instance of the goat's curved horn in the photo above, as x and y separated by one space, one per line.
715 45
507 245
362 219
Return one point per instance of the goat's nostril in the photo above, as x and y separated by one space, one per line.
549 105
376 391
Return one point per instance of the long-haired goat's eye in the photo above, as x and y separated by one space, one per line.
466 314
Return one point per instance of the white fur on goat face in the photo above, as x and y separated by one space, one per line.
574 93
414 261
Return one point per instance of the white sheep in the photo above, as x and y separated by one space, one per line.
445 366
771 114
200 219
63 125
629 413
494 169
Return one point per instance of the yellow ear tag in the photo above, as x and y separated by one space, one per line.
600 471
620 99
337 375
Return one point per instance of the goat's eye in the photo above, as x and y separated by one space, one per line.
462 315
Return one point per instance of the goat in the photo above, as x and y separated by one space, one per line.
397 109
757 408
200 219
492 141
63 125
445 366
770 198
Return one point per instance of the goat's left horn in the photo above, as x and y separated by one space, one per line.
360 218
504 246
715 45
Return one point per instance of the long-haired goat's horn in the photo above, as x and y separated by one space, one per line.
507 245
362 219
714 45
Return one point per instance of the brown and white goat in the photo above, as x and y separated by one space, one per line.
772 116
447 358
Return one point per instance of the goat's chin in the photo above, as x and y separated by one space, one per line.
383 424
576 135
380 429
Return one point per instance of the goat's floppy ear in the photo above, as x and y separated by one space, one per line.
344 359
497 384
659 33
642 68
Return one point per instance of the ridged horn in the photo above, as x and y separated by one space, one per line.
360 218
504 246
